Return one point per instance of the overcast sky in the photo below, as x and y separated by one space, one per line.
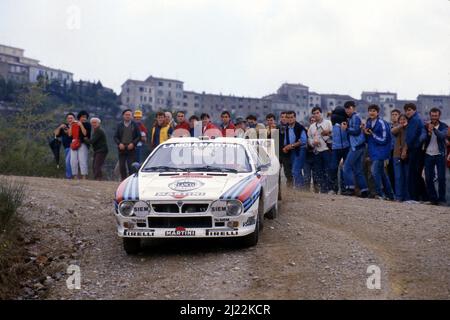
241 47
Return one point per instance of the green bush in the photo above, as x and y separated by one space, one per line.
11 251
11 197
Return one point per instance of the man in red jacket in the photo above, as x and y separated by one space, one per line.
227 126
208 128
182 128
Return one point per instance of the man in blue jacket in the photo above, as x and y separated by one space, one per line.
294 146
414 141
340 148
435 156
378 133
353 166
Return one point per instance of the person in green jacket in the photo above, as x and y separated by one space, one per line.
100 146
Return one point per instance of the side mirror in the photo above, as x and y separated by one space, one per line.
263 167
136 166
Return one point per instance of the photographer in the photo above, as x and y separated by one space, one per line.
63 132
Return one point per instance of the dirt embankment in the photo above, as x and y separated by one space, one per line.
320 247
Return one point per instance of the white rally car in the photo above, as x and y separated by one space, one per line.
200 188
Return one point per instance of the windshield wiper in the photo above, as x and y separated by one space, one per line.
212 168
162 168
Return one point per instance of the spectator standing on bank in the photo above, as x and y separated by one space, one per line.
340 148
126 138
79 153
435 149
285 159
182 129
161 131
395 114
378 133
63 132
400 158
353 165
227 127
195 127
294 146
319 138
100 147
414 142
240 128
140 147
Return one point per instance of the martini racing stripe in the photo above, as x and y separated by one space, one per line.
234 191
128 189
250 201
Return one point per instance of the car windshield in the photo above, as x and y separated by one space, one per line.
199 156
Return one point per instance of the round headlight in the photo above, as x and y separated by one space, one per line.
126 208
234 208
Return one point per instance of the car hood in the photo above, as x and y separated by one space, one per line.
157 186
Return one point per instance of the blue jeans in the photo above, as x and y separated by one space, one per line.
321 170
382 185
67 162
336 156
298 162
353 170
401 170
438 163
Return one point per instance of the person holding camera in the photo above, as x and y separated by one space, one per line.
63 132
379 138
435 148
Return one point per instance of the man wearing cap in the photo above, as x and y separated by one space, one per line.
144 132
240 128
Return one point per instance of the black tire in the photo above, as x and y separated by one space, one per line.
132 245
273 213
261 214
251 240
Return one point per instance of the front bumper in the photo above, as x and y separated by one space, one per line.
223 227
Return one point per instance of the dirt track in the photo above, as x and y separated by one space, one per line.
319 248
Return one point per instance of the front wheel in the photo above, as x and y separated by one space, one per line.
251 240
132 245
272 214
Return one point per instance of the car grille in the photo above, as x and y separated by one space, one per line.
175 208
173 222
194 208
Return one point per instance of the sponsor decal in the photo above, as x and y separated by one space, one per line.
221 233
219 208
180 195
180 232
250 221
186 185
128 233
141 209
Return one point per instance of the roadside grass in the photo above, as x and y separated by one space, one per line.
12 251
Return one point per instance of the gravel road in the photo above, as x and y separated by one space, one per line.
319 247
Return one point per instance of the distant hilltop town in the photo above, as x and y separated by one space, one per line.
14 66
154 94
